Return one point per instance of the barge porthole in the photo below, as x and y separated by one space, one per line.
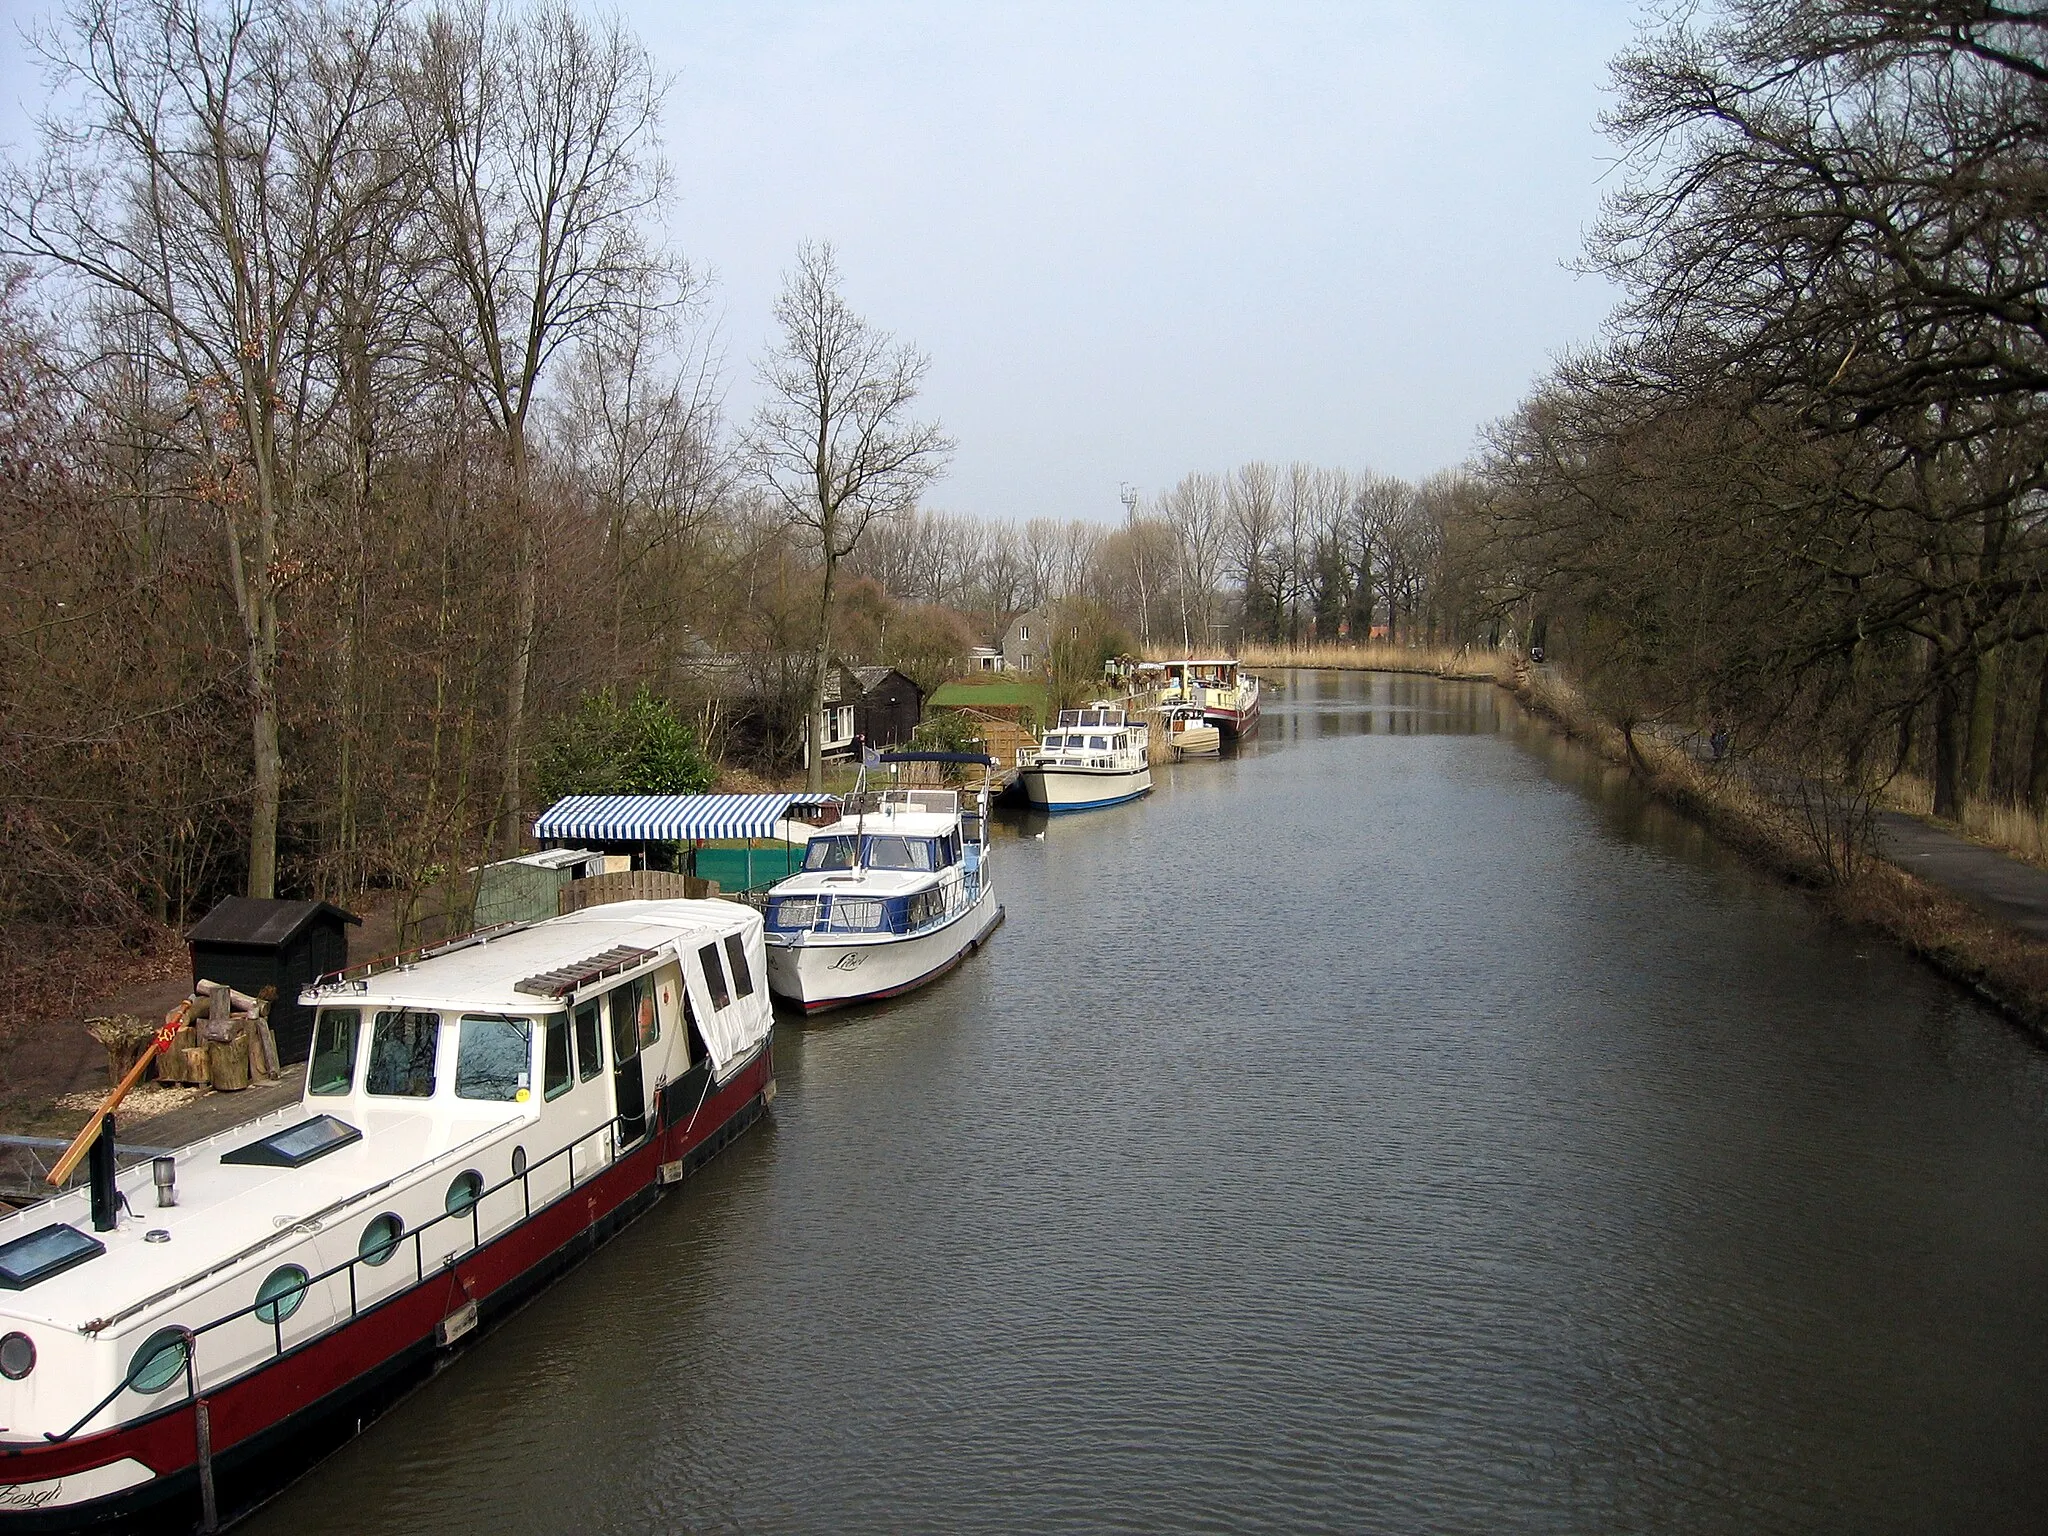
159 1362
380 1238
17 1356
281 1293
463 1192
519 1162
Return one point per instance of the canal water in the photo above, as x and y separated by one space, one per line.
1397 1126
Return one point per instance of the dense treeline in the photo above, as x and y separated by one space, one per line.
1798 491
359 445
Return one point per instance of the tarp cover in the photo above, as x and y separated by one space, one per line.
668 818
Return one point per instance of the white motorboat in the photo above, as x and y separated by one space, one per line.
1093 757
892 895
1189 733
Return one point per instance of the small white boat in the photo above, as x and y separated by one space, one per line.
892 895
1189 733
1093 757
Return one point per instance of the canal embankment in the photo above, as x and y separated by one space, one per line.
1977 916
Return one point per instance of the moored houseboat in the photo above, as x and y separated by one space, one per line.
1227 695
894 894
1093 757
473 1120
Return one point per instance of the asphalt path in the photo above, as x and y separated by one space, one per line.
1994 882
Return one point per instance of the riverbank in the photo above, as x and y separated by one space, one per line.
2000 964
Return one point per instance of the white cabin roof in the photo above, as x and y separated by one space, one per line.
484 975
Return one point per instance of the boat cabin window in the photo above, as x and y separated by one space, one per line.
333 1068
714 976
831 853
556 1075
1098 743
589 1030
494 1061
899 853
736 959
402 1045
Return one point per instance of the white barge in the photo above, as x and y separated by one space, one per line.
894 894
473 1121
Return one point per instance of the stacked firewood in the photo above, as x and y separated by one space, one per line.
224 1040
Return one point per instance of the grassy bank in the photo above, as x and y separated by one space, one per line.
1430 660
1999 963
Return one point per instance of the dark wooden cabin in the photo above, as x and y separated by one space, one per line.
251 944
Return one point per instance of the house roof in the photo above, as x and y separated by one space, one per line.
871 678
266 924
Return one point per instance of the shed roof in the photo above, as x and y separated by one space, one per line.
669 818
268 924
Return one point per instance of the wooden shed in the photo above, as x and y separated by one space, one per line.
252 944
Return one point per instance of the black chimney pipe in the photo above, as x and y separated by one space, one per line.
101 1163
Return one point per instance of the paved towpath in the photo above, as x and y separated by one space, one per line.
1994 882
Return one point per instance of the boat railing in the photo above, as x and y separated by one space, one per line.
281 1306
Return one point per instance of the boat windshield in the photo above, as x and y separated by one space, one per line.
831 853
900 853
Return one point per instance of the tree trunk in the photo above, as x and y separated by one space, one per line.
2037 756
1983 726
525 602
814 727
1950 744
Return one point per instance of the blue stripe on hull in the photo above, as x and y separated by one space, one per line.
1093 805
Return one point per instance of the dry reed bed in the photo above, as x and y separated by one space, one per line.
2000 964
1462 663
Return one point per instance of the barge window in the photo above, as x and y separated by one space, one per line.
402 1048
334 1051
159 1362
829 853
589 1050
464 1190
495 1059
280 1294
736 958
625 1022
556 1076
714 976
380 1238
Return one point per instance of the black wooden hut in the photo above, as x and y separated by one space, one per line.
252 944
888 707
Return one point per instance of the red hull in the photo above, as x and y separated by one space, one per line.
327 1373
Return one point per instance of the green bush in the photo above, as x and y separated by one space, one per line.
603 747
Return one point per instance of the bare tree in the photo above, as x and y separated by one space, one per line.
541 132
834 444
224 156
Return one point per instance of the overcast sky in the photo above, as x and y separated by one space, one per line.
1143 238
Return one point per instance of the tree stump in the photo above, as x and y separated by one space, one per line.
196 1065
229 1064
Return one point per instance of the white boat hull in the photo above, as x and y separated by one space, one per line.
1057 788
816 971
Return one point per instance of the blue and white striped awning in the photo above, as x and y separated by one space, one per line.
668 818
